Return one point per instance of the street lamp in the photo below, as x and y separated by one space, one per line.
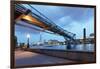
28 36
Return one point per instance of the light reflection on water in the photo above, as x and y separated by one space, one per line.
80 47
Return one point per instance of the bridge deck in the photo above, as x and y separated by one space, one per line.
23 58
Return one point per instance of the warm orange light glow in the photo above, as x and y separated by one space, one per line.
35 21
19 17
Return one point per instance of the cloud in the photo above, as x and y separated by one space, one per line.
56 12
60 13
64 21
77 28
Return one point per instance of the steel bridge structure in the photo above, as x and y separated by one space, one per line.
40 20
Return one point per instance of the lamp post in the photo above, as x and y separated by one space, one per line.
28 36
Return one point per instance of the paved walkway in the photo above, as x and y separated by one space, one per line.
23 58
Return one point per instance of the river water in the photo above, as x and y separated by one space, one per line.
80 47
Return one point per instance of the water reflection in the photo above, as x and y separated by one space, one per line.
80 47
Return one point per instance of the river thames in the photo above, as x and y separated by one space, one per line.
79 47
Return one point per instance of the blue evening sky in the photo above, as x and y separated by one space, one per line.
72 19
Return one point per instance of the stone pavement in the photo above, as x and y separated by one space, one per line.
23 58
